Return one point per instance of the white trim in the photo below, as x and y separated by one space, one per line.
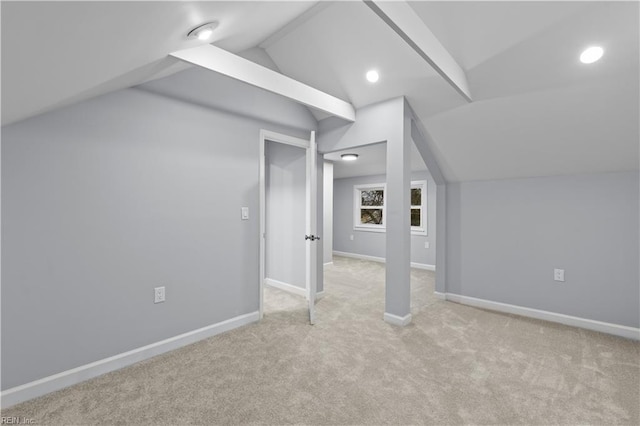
359 256
381 260
367 227
280 138
313 255
396 320
377 228
357 207
603 327
267 135
223 62
290 288
441 296
423 266
370 228
422 229
328 263
76 375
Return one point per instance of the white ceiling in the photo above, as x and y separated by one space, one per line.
334 49
537 111
56 53
372 160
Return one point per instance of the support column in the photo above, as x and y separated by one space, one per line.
441 239
398 227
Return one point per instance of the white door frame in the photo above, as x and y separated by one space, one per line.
266 135
311 250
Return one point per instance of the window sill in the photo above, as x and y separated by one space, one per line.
417 232
368 229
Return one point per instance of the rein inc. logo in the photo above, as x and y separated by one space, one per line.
16 421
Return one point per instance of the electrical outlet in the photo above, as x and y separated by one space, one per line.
244 213
158 295
351 237
426 244
558 275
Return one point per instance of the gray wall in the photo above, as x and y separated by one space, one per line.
107 199
504 238
374 243
285 182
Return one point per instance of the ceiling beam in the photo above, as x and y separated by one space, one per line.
407 24
221 61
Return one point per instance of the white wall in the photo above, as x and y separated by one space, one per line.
327 212
105 200
373 243
504 239
285 181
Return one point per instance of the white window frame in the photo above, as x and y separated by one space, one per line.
422 229
357 199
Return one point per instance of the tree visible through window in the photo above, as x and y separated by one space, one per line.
369 205
416 206
368 199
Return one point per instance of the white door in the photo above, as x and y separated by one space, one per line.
310 236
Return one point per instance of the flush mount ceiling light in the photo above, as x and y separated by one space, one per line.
349 157
204 31
372 76
591 54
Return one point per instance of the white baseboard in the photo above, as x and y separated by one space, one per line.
328 263
76 375
423 266
286 287
382 260
291 288
441 296
396 320
359 256
603 327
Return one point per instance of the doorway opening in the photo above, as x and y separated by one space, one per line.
288 224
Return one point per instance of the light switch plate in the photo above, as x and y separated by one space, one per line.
426 244
351 237
245 213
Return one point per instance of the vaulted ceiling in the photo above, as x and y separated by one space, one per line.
536 109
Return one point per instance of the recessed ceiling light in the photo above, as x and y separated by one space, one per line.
204 31
349 157
372 76
591 54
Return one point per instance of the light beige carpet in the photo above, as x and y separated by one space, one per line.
453 365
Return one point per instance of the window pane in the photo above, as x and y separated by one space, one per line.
415 217
374 197
371 216
416 196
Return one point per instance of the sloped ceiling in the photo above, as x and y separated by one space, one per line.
56 53
537 110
